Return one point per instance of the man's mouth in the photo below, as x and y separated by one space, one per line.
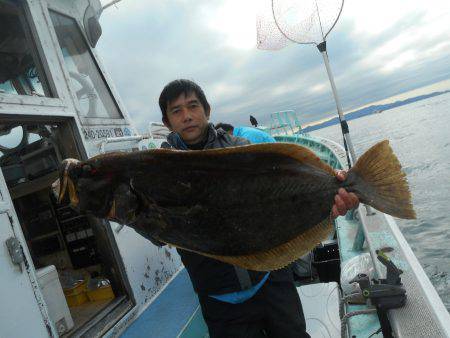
189 129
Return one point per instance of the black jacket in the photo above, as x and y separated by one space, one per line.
209 276
215 139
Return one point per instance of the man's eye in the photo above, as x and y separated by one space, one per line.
175 111
193 105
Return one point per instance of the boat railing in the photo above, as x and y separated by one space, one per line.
424 313
285 122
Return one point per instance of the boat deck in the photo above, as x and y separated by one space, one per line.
176 312
170 313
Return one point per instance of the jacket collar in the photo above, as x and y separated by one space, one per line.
175 140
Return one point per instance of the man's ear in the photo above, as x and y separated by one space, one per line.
207 113
166 123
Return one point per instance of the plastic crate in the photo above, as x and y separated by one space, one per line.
76 300
66 212
101 293
76 295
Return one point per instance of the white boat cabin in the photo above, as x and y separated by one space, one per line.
56 101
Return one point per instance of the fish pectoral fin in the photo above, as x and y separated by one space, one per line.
284 254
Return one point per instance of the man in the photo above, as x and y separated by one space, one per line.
235 302
252 134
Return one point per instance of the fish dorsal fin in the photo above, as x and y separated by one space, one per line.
295 151
299 153
281 255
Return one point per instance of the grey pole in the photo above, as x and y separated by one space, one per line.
345 132
348 144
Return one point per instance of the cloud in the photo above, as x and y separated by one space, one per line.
377 49
234 23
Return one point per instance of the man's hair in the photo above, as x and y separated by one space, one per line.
177 87
225 126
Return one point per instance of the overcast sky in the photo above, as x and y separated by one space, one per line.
377 49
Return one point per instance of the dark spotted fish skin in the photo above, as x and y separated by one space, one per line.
230 206
239 212
258 206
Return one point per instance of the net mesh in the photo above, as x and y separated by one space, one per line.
267 33
301 21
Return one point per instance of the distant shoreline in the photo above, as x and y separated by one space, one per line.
372 109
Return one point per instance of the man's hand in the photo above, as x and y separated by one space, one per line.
343 201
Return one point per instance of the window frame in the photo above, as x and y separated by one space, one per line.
87 121
57 105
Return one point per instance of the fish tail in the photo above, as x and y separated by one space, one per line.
380 182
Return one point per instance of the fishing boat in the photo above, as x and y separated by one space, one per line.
69 275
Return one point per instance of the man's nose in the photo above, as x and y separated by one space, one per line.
186 114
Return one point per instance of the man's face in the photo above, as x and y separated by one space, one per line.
187 117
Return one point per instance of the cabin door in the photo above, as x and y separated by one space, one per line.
22 309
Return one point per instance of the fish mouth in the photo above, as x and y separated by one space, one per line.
65 182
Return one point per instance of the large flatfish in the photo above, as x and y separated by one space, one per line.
258 206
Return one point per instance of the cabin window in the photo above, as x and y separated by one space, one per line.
20 69
93 95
